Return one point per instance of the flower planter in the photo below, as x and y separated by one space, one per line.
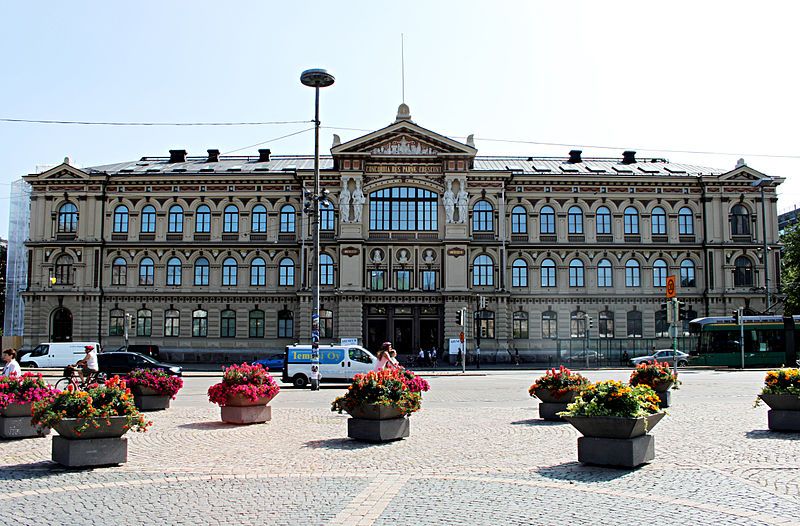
148 399
241 410
92 447
16 410
375 412
116 427
662 386
614 426
784 413
243 401
615 441
781 402
15 422
377 423
551 403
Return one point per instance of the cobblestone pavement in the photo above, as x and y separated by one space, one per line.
477 454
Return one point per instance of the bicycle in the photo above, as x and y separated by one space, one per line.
70 378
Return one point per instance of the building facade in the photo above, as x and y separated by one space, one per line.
210 256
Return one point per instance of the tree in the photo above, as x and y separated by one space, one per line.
790 272
3 256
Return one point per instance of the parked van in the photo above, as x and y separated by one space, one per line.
337 363
58 354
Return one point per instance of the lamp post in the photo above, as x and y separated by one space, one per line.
315 78
760 184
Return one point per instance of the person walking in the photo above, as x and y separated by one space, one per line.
478 357
421 358
433 357
516 356
10 360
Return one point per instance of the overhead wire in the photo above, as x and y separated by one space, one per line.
111 123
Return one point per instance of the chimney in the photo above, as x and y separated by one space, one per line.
628 157
177 156
575 156
263 155
213 156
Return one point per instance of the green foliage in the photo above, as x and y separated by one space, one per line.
613 398
790 274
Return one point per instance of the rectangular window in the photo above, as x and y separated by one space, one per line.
549 326
116 326
172 326
403 279
376 280
428 280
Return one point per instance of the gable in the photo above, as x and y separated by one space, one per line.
742 173
63 171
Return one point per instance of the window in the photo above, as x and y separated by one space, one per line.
256 323
175 222
549 325
547 220
326 216
403 208
687 273
229 272
482 217
258 221
146 272
575 220
740 221
519 220
605 324
632 274
402 279
519 273
325 269
230 220
428 280
121 219
634 324
172 323
202 220
357 355
325 323
148 224
286 273
68 218
201 272
376 280
658 222
174 272
63 270
520 326
119 272
482 271
484 321
631 220
200 323
287 219
659 273
662 327
685 222
548 273
576 274
285 324
743 272
605 274
227 324
258 272
116 323
144 322
577 324
603 220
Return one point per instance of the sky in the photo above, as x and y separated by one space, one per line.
710 76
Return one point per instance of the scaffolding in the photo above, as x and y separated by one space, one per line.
19 219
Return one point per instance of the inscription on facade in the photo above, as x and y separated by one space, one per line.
350 251
384 168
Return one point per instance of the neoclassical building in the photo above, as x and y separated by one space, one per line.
208 256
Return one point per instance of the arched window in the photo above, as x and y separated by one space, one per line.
576 275
687 273
63 270
68 218
659 273
287 225
258 221
662 327
605 324
174 272
258 272
200 323
549 325
605 274
202 220
740 221
482 217
325 269
577 324
326 216
229 272
285 324
634 324
172 323
547 220
325 323
286 273
658 222
119 272
403 208
116 322
685 222
548 273
230 220
144 322
227 324
519 329
148 223
121 219
519 220
482 270
519 273
201 272
146 272
256 323
175 223
575 220
743 272
631 220
603 220
633 277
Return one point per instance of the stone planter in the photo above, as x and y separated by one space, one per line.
615 441
375 412
550 405
662 386
781 402
15 422
115 429
614 426
377 423
147 399
241 410
784 413
243 401
93 447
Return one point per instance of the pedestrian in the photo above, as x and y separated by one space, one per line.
385 358
625 358
11 366
459 358
421 358
427 358
478 357
433 356
516 356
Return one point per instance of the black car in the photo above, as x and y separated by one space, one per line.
147 350
115 362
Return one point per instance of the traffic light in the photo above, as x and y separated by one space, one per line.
683 311
131 322
670 312
591 322
736 316
460 317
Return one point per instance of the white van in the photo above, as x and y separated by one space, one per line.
59 354
337 363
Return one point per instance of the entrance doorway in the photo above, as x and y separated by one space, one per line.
409 327
61 325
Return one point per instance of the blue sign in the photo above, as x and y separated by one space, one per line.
326 356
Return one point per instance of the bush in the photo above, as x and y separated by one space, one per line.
559 382
249 381
398 388
653 372
160 381
613 398
782 381
25 389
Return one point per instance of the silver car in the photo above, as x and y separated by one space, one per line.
663 355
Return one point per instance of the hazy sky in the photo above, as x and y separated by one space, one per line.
680 75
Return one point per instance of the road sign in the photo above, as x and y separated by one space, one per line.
671 292
461 337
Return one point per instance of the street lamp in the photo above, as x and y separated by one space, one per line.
760 184
315 78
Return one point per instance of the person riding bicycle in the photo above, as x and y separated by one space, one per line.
88 364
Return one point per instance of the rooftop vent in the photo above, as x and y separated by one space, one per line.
213 156
575 156
263 155
628 157
177 156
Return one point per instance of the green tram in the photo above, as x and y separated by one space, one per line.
768 341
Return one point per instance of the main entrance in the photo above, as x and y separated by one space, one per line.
61 325
409 327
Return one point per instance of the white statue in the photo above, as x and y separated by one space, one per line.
402 256
358 202
449 200
463 199
344 203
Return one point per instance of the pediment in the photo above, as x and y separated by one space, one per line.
404 139
742 173
63 171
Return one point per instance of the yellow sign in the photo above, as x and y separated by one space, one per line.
671 289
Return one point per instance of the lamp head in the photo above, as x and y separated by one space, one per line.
316 78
